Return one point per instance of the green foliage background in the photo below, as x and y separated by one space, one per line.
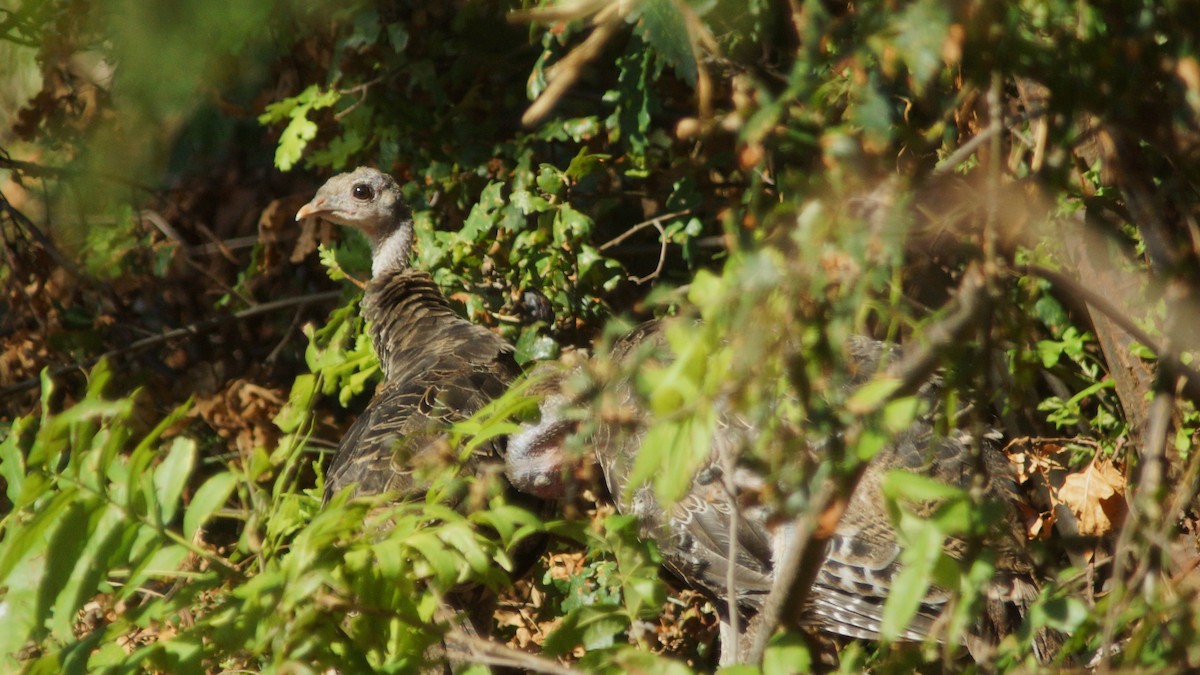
792 172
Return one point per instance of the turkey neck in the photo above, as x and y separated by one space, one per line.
406 312
389 253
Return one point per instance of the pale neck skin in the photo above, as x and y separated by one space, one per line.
392 252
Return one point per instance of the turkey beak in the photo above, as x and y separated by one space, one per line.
314 208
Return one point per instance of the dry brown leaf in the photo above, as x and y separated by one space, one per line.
1096 496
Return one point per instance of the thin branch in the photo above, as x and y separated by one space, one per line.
563 74
171 233
699 35
43 171
564 11
481 650
967 149
362 90
798 21
287 334
188 330
797 567
662 255
728 467
653 222
23 221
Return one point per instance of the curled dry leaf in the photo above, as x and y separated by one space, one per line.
244 412
1039 466
1096 496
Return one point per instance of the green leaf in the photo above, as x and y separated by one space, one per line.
162 562
907 486
211 496
665 28
870 442
900 414
910 585
707 292
30 539
570 225
106 529
172 475
1049 351
12 458
585 164
787 654
441 563
550 180
22 615
528 202
872 112
924 26
299 130
295 412
533 346
872 395
593 627
61 554
1063 614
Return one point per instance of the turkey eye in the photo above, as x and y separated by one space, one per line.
363 191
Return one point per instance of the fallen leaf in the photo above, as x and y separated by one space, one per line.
1096 496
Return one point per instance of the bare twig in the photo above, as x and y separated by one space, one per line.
563 11
662 255
287 334
728 466
154 218
1145 512
798 20
563 74
699 35
656 221
967 149
474 649
189 330
43 171
362 90
24 222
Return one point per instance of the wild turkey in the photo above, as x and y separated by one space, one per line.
438 368
862 558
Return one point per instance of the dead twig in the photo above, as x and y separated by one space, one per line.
728 460
563 74
154 218
564 11
473 649
967 149
662 256
656 221
698 35
362 90
24 222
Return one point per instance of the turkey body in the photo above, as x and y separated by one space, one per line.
862 558
438 368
